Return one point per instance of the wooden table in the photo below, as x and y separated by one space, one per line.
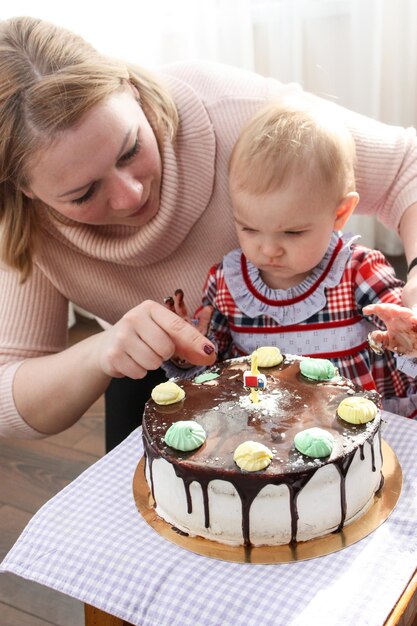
95 617
403 614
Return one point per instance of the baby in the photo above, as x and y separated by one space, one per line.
297 282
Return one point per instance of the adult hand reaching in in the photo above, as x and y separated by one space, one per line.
146 336
401 333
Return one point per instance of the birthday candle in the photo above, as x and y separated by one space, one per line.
254 396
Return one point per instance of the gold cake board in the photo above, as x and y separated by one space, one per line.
381 508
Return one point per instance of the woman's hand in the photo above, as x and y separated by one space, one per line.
148 335
401 333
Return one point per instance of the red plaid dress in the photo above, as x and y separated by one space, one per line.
321 317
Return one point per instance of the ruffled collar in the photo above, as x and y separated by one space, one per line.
286 306
190 159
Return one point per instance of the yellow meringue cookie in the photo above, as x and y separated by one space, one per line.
167 393
268 356
252 456
357 410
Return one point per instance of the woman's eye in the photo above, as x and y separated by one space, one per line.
132 152
88 194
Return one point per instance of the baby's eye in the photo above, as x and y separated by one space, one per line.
294 232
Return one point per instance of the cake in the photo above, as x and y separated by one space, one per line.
246 482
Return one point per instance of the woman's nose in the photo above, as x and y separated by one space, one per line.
126 193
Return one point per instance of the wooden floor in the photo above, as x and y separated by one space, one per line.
31 472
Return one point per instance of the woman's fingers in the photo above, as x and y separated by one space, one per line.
135 345
148 335
190 344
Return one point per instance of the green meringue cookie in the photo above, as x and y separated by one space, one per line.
205 376
185 435
314 442
317 369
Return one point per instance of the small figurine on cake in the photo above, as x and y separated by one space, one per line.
253 380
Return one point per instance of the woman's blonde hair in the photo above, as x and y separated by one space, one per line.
50 78
294 138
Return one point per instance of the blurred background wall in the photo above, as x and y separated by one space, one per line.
359 53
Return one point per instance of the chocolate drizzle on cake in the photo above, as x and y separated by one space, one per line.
223 409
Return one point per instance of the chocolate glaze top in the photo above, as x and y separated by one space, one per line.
291 403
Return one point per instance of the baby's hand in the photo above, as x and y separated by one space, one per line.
401 333
201 321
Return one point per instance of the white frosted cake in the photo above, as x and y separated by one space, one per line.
271 490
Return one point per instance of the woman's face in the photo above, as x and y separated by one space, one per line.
106 170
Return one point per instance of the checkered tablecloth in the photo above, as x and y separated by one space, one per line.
91 543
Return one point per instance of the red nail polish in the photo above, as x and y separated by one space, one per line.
208 349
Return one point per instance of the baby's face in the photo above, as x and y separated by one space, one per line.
285 233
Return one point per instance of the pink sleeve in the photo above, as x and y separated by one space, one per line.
33 322
386 171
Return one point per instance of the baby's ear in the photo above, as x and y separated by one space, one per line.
345 209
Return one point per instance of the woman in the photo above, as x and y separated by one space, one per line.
113 188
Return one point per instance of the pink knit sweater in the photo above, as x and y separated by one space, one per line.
109 269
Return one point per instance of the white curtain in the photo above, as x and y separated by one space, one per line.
360 53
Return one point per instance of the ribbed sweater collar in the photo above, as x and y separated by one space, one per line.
187 185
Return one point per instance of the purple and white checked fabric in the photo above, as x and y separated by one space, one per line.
90 542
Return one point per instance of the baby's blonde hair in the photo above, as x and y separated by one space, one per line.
294 139
50 78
